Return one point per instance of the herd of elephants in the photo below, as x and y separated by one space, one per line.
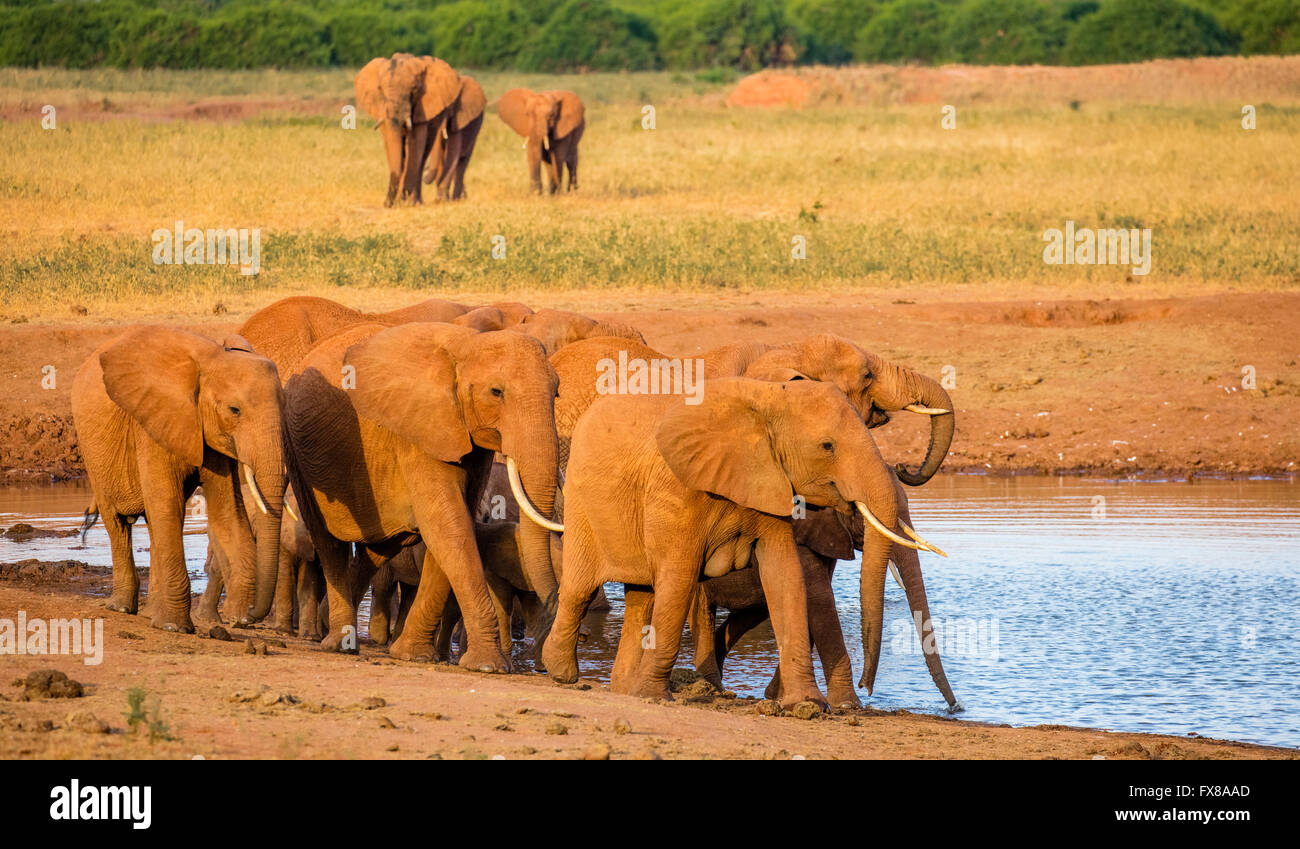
430 117
468 467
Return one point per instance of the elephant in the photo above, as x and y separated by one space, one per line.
287 329
660 492
558 328
553 123
405 448
888 387
450 155
412 99
159 412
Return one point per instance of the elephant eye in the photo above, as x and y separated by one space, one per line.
234 411
828 445
498 392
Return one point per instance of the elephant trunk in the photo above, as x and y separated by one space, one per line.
877 502
263 483
909 568
536 460
928 394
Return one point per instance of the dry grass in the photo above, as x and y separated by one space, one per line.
706 203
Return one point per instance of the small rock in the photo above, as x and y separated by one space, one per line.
219 308
385 722
806 710
271 698
681 678
84 720
127 635
279 644
78 309
853 720
50 684
596 752
218 632
647 755
767 707
622 726
698 690
392 748
557 728
373 703
505 726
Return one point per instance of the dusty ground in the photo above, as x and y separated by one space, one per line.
210 698
1110 387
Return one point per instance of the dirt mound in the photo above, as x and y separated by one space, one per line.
52 571
769 89
40 446
23 532
1055 313
1164 81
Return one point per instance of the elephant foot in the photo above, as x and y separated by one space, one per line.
175 624
488 659
814 695
843 696
310 634
412 650
710 672
334 643
122 604
561 665
282 626
655 691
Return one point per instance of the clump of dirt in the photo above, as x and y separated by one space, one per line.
42 446
769 89
52 572
23 532
48 684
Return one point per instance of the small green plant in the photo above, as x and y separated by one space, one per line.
810 215
147 716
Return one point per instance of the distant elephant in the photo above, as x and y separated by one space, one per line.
287 329
659 491
159 412
553 123
450 155
405 448
412 99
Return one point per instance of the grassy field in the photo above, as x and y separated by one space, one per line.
710 200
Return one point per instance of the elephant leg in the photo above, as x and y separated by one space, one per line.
393 153
638 605
458 189
215 569
701 620
503 602
673 593
334 556
382 586
451 159
781 574
126 583
826 631
578 586
738 623
310 590
405 597
446 628
413 162
169 582
231 528
535 165
425 614
286 590
452 552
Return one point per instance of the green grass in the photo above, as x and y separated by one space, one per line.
710 200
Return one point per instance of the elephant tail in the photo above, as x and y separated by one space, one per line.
88 520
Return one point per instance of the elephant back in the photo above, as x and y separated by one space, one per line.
472 102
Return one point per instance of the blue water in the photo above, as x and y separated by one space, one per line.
1167 607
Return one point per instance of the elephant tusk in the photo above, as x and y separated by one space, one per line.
914 535
920 545
546 142
252 488
444 131
525 506
926 411
408 123
292 514
898 579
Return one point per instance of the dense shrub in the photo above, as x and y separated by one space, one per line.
1134 30
1265 26
744 34
480 33
828 27
1005 32
905 31
590 35
360 33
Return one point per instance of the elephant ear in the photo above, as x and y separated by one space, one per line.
472 103
824 532
513 109
406 383
369 96
773 373
438 91
572 113
724 446
152 373
235 342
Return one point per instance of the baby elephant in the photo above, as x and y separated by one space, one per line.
661 493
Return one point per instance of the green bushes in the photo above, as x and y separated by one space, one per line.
569 35
1134 30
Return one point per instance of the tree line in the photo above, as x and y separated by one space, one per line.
611 35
